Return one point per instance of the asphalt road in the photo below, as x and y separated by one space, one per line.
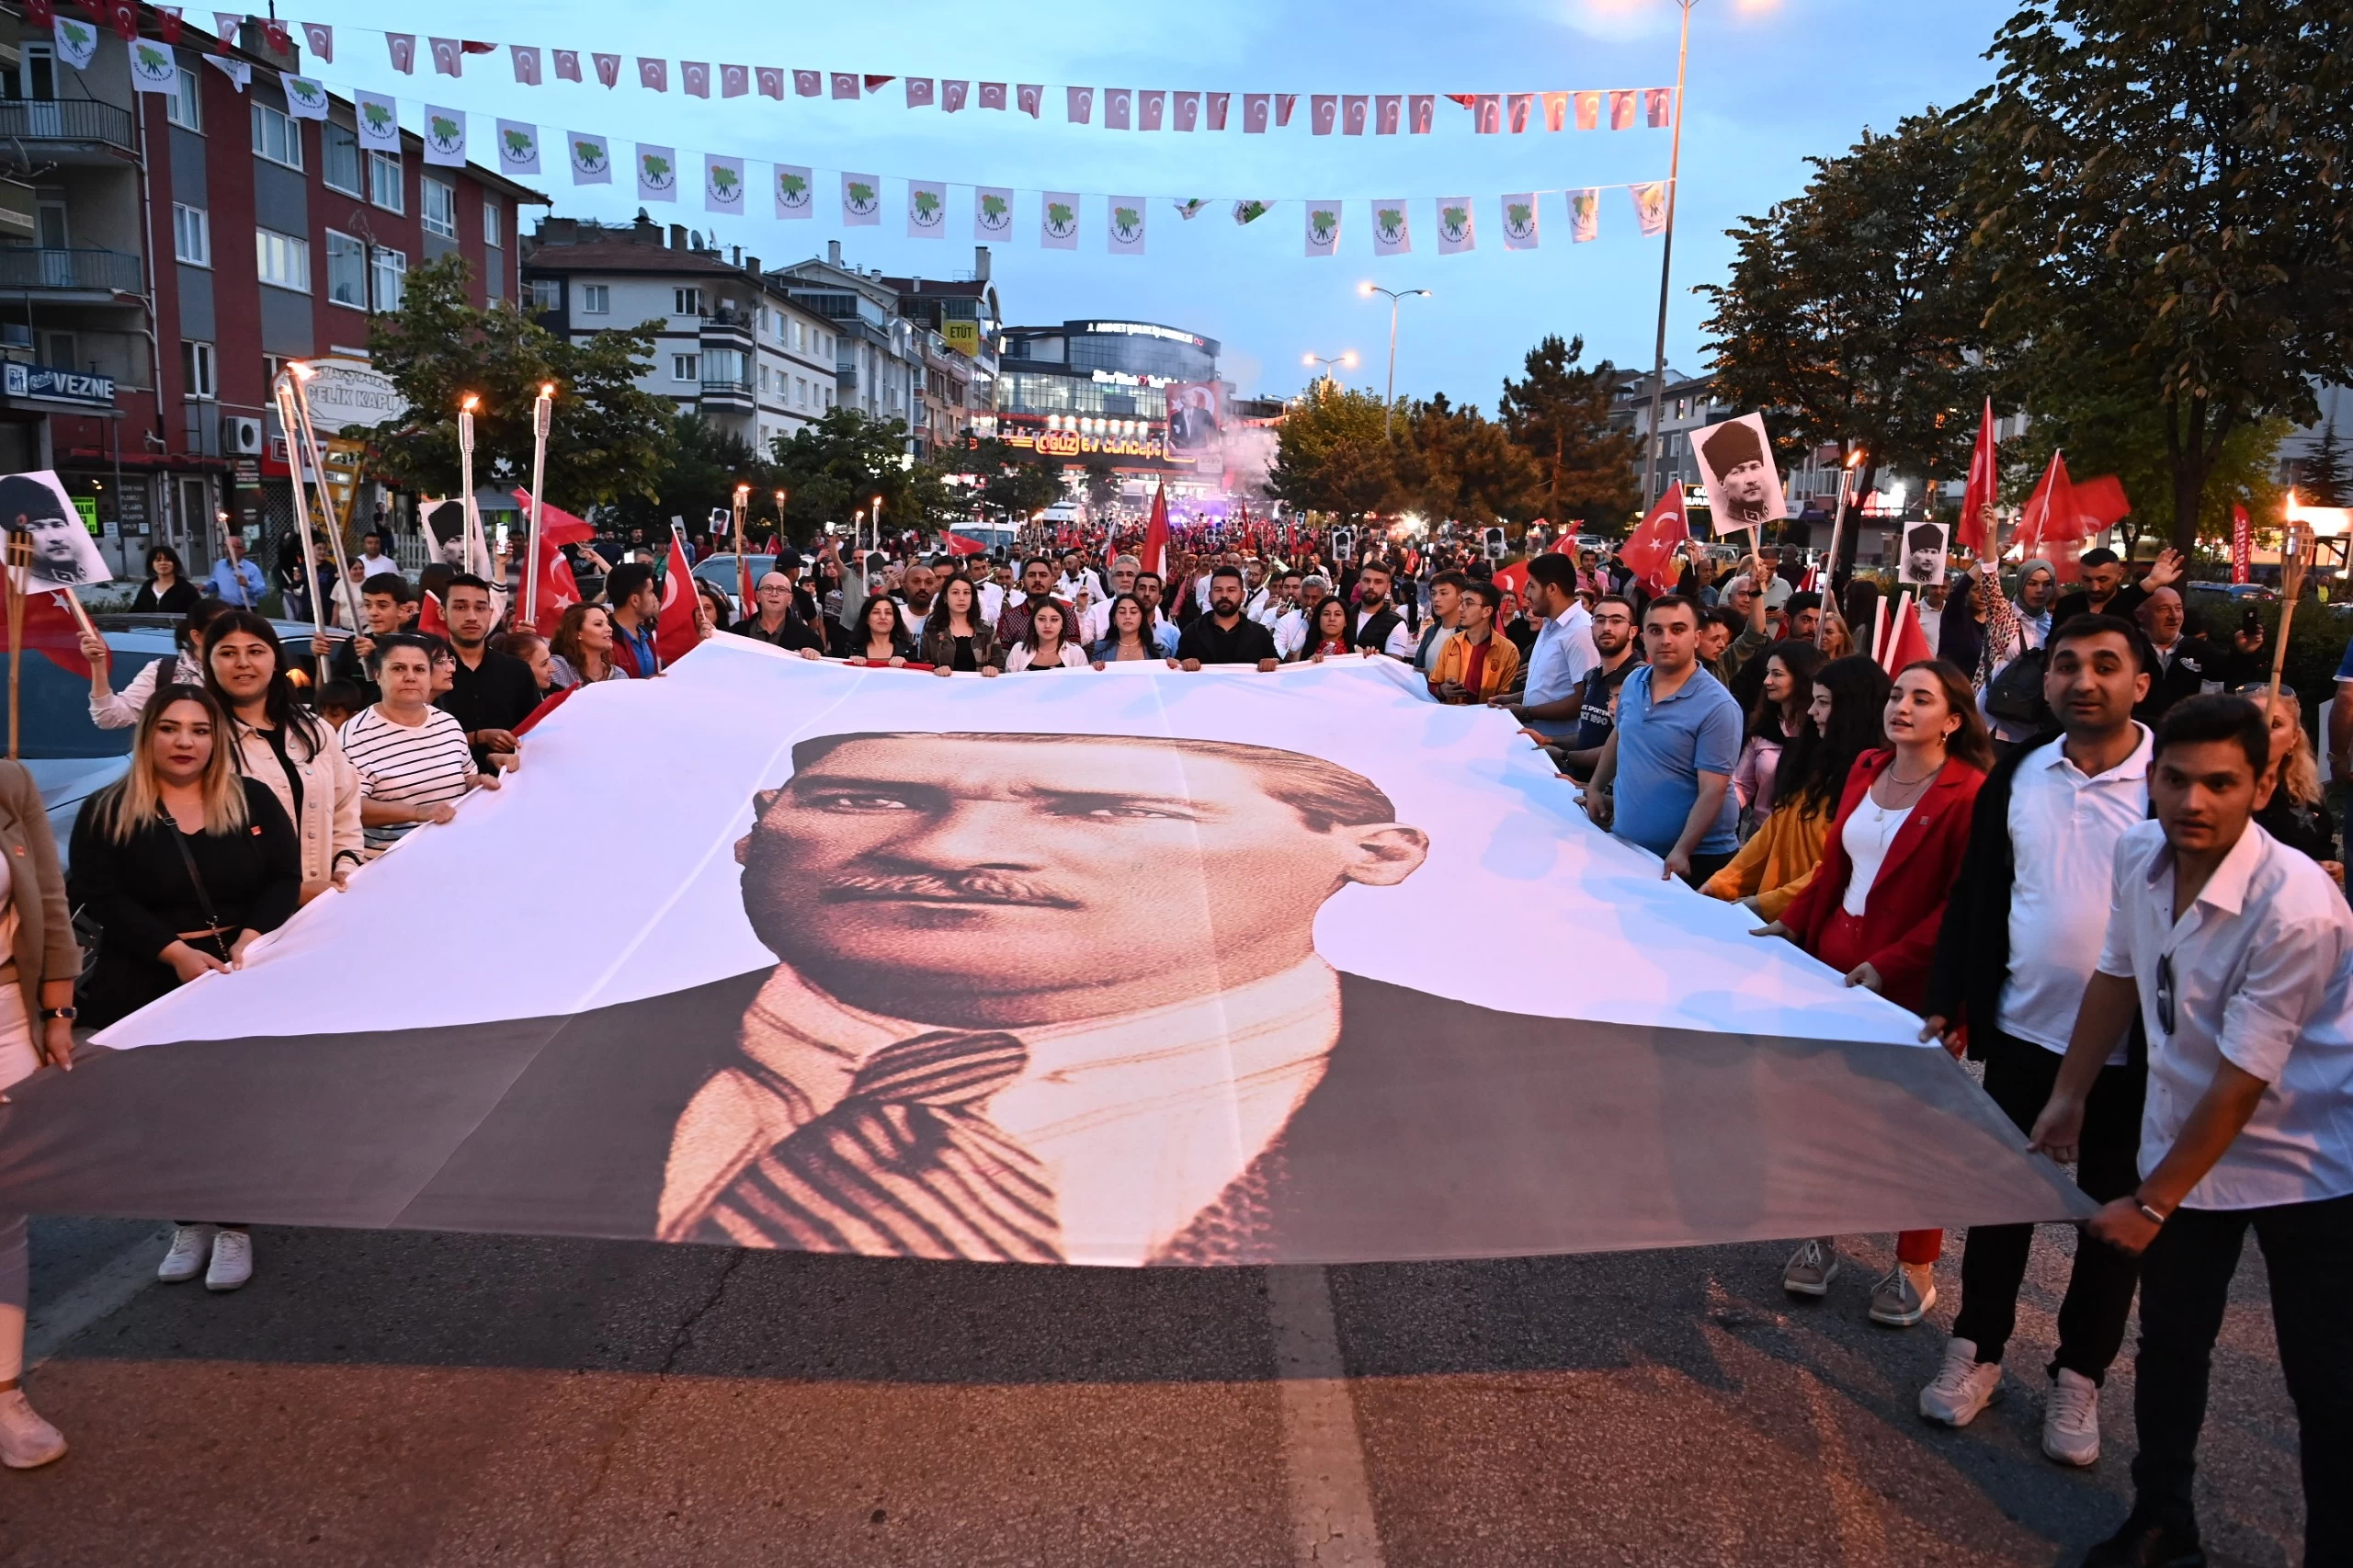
378 1399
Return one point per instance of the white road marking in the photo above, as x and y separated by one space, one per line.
97 1295
1331 1501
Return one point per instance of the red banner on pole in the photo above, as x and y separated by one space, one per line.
2241 544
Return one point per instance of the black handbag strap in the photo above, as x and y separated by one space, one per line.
203 897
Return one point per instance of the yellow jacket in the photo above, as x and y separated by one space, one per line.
1496 676
1777 862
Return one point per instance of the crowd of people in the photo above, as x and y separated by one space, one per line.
2080 841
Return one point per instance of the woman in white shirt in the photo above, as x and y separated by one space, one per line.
1047 647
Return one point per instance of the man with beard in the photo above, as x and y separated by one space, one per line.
1149 592
1037 588
1226 636
1566 649
1746 486
1378 625
915 597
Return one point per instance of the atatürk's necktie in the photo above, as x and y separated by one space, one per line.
907 1164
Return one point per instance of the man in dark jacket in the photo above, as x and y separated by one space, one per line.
2187 666
2018 945
2105 590
1225 635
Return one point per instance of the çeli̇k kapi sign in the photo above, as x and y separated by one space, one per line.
1121 968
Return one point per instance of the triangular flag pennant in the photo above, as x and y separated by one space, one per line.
318 34
400 46
527 63
1975 532
876 83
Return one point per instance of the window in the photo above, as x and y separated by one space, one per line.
278 137
494 222
686 367
384 187
438 208
547 293
59 350
340 158
346 271
387 270
596 299
183 106
283 259
36 78
686 302
191 236
197 371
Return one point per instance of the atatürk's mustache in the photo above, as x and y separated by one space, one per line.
957 887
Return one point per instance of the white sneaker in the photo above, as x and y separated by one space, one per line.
25 1440
233 1261
190 1245
1962 1387
2071 1419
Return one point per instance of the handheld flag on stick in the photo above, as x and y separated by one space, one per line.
1906 642
1650 550
1154 555
1975 532
676 634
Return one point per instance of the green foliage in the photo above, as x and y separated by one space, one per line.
702 465
2104 433
1332 455
1560 415
837 466
2165 212
1015 484
608 439
1454 462
2322 482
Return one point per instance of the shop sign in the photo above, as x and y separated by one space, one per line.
53 385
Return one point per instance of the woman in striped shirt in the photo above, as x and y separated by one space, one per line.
412 760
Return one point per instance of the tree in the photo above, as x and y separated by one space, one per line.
2104 432
1452 462
1102 483
2166 214
607 437
702 465
1330 453
1852 314
1560 416
2321 480
837 466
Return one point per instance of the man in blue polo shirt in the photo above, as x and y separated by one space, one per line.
1664 780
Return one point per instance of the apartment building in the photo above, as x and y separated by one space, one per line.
140 325
731 343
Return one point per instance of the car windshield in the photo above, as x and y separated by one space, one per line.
56 721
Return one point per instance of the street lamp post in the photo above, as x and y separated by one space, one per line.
1368 289
1346 361
1667 266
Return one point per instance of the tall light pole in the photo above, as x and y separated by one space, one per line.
1346 361
1368 289
1666 266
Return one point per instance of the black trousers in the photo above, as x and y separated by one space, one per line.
2019 1075
1706 866
2185 1280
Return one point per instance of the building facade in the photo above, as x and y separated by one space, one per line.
1101 388
142 327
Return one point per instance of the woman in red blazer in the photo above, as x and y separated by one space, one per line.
1872 910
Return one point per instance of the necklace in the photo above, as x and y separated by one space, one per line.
1880 812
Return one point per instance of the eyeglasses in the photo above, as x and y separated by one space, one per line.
2165 993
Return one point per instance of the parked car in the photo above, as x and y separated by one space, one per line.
719 571
2239 593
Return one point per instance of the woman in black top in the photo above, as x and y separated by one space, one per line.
955 637
877 638
167 590
182 861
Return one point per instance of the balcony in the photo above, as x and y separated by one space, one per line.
727 330
82 271
61 124
728 393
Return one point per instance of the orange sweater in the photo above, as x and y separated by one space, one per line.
1776 863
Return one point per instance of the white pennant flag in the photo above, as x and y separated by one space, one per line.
927 209
591 157
1058 222
1585 215
1323 228
1457 231
519 147
306 98
1650 207
658 173
445 137
527 63
722 183
229 27
378 120
155 69
1392 229
796 191
1127 225
320 36
1519 220
241 73
861 202
77 40
992 213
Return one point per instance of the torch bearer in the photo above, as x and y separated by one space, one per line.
542 421
743 561
1837 530
284 393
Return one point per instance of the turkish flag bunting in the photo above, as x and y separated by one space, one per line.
167 26
273 32
51 632
1650 551
1974 532
42 14
675 633
123 14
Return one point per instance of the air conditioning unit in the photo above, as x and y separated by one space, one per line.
241 435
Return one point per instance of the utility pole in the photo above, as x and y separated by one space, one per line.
1665 269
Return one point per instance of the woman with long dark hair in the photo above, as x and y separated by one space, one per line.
956 636
184 863
1127 636
582 646
112 709
281 743
167 590
1328 632
1047 645
1874 906
876 637
1779 716
1842 721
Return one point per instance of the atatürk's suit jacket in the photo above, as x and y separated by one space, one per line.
1439 1130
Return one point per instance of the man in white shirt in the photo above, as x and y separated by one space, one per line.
1279 602
372 557
2013 958
1553 697
993 589
1291 627
2238 954
1077 578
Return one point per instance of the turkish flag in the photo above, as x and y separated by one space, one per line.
1906 643
1972 532
675 633
430 623
168 22
960 545
555 523
273 32
124 15
51 631
2051 527
1154 555
558 590
1650 551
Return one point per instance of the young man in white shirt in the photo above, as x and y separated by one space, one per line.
2012 956
2237 954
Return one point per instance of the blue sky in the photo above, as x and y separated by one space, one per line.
1769 84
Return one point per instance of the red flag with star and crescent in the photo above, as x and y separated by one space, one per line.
1650 550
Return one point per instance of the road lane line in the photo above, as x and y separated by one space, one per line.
1331 1501
98 1294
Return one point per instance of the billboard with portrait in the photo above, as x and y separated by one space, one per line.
1123 967
1195 414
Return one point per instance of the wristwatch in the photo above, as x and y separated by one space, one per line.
68 1014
